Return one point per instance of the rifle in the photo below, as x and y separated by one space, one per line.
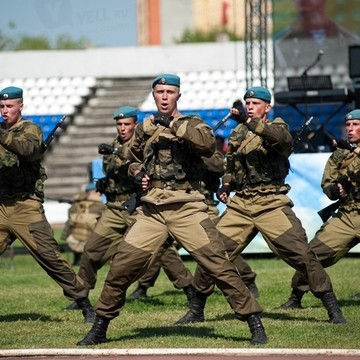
51 136
326 212
301 131
133 202
60 200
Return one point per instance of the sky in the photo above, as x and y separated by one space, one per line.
105 23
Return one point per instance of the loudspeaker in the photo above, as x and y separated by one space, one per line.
354 61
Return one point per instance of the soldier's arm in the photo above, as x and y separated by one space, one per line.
276 133
24 141
196 133
215 163
330 176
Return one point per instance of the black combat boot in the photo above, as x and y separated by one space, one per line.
294 301
188 292
97 334
253 288
87 310
140 292
196 312
257 330
331 305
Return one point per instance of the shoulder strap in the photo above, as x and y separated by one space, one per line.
156 133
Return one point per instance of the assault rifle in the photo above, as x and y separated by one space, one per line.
51 136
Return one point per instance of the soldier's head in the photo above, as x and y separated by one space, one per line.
166 93
11 105
257 102
352 126
126 121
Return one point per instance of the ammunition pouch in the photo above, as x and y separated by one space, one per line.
117 197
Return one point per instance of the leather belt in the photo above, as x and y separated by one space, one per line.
175 185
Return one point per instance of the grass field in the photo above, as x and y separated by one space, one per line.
32 317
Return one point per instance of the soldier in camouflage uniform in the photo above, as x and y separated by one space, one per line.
170 147
83 215
115 219
22 215
341 181
171 262
257 165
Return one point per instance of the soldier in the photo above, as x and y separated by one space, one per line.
169 148
214 169
257 165
83 215
117 187
22 215
341 181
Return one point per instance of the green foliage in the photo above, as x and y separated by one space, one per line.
200 36
32 43
32 317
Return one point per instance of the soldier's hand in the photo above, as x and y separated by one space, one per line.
105 149
142 180
223 193
163 120
101 185
344 144
238 112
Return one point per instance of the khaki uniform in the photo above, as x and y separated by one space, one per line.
215 169
115 220
21 211
173 206
257 165
342 231
84 213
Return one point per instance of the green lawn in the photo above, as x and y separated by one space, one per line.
32 317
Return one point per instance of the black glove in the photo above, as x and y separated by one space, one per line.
105 149
334 192
223 189
163 120
344 144
101 185
344 182
138 179
242 116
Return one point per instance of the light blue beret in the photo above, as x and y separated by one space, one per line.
258 92
353 115
11 92
125 112
167 79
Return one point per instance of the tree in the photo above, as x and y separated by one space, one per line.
200 36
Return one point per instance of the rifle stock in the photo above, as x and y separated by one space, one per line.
326 212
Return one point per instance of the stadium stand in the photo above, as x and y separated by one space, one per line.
89 102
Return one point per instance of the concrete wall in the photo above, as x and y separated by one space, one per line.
123 61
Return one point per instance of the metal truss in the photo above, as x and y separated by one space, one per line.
256 39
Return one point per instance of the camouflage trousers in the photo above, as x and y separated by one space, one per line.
332 242
25 219
190 226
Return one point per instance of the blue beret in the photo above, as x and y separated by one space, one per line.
353 115
11 92
167 79
90 186
258 92
125 112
